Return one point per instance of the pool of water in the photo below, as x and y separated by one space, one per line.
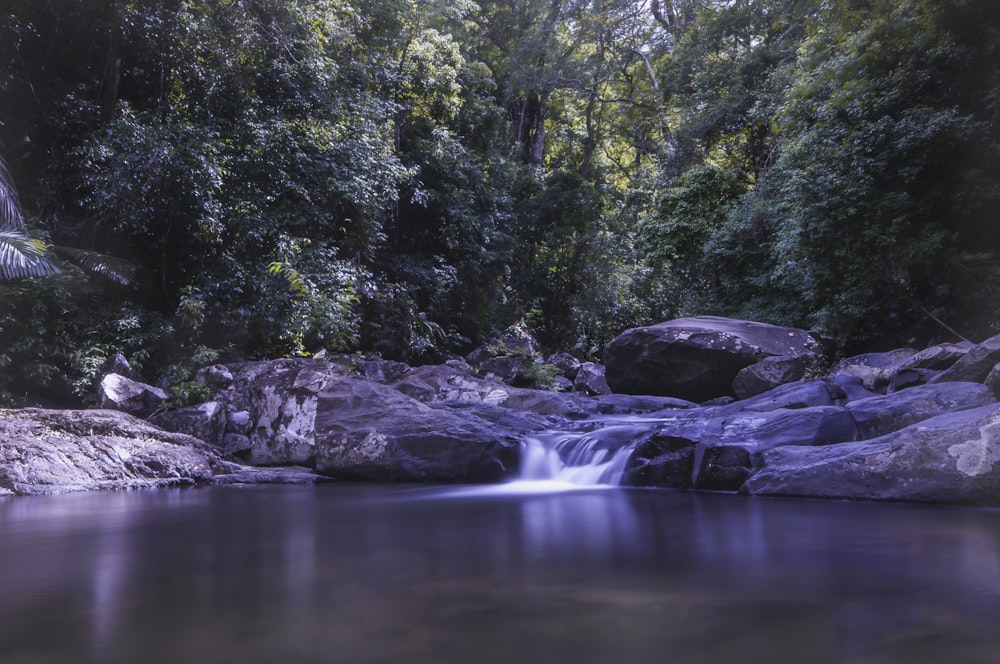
365 573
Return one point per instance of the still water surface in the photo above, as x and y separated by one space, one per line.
372 574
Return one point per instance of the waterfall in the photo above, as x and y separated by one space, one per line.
589 458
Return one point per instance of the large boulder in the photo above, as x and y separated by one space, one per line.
371 431
698 358
280 398
437 423
951 458
54 451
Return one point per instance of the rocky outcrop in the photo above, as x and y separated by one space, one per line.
698 358
57 451
50 451
951 458
866 431
698 448
370 431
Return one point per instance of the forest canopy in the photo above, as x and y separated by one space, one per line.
189 180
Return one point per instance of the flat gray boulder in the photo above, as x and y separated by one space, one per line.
56 451
697 358
951 458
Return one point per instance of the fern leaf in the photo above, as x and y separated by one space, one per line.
119 270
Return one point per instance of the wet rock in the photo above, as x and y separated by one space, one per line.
284 475
697 359
236 445
663 461
951 458
723 468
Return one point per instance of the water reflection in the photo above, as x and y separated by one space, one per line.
424 574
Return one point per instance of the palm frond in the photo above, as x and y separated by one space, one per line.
10 206
22 256
119 270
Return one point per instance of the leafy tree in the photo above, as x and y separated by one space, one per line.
885 133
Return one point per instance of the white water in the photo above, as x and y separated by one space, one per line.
561 461
574 459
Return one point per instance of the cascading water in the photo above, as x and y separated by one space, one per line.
596 457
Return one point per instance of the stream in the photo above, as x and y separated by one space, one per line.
541 570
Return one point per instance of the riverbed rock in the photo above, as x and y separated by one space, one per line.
880 415
206 421
723 468
434 383
117 392
769 373
938 357
975 365
951 458
815 413
590 379
874 369
55 451
370 431
697 358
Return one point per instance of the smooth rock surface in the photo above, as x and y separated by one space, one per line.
951 458
370 431
697 358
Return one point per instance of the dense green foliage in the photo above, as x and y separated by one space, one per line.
412 177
